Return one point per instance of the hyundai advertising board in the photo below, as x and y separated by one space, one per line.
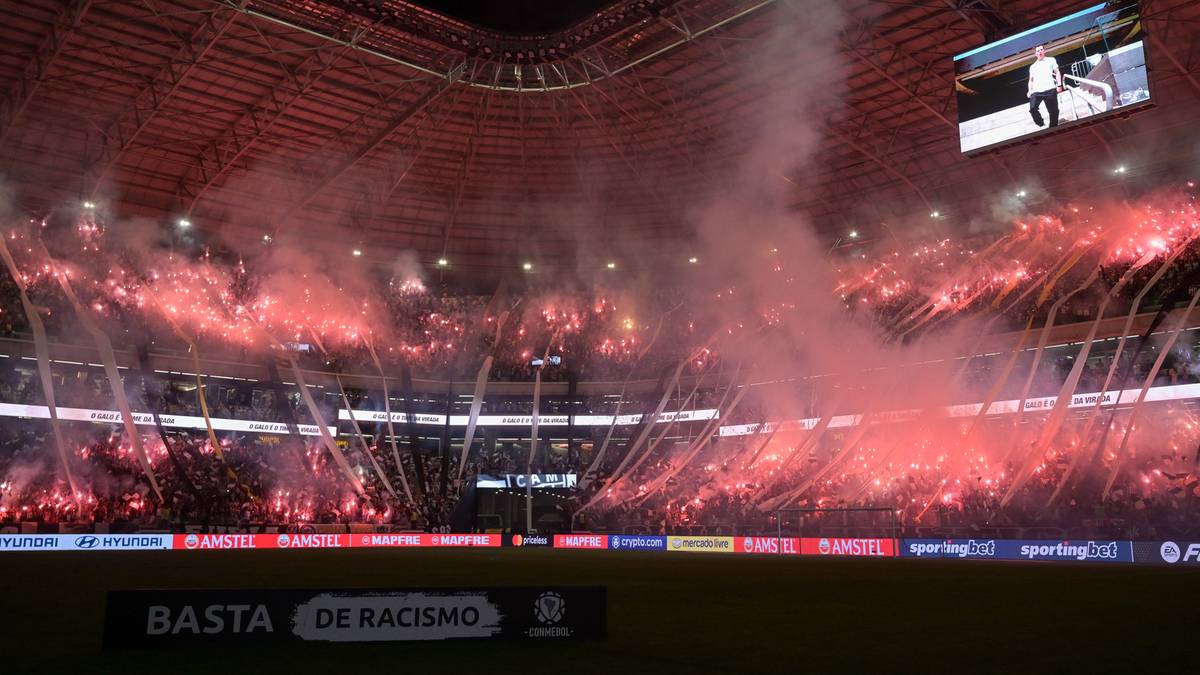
84 542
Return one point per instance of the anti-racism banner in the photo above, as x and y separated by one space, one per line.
700 544
84 542
166 618
636 542
1179 553
1020 549
863 547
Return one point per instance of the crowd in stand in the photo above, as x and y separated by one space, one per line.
1157 496
283 480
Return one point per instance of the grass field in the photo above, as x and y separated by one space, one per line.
668 612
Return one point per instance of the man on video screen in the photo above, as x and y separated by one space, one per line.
1045 81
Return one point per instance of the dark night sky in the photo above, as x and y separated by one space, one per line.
518 16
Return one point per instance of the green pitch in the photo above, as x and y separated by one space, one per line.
668 612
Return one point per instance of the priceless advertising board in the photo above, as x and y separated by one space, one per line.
84 542
1019 549
1179 553
701 544
529 540
861 547
150 619
636 542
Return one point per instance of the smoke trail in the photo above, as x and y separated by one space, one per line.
533 435
1085 456
200 395
1067 262
284 412
1137 407
1061 404
648 425
366 449
154 400
1018 428
848 448
481 380
667 428
701 440
353 422
599 458
42 350
391 431
109 360
410 417
315 412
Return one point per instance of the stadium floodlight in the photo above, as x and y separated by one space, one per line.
854 234
936 214
357 252
611 265
442 262
184 223
693 259
527 266
1119 170
89 205
266 238
1021 193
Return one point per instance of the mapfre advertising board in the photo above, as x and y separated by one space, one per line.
202 618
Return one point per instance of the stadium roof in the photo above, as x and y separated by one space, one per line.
494 139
